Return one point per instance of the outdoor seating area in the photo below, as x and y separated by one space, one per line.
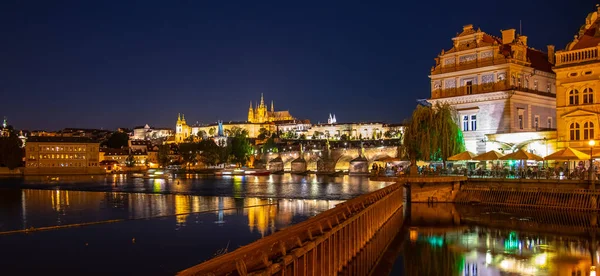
568 164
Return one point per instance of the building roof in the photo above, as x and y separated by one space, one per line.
60 139
589 33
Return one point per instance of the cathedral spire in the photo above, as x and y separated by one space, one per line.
272 107
262 100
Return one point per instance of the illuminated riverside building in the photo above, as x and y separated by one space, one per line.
150 133
577 79
498 85
61 155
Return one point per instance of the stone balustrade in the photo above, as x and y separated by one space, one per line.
577 56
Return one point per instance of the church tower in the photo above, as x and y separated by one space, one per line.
251 114
182 129
272 107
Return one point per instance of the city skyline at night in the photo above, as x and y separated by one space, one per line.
109 65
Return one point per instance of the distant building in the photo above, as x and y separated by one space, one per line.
260 114
183 131
150 133
578 80
498 85
62 155
369 130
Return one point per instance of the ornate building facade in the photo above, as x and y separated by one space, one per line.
577 81
259 114
497 85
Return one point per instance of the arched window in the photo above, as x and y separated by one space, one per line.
574 132
574 97
588 96
588 130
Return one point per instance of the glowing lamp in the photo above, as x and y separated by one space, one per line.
592 143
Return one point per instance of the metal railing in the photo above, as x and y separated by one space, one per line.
440 69
322 245
573 199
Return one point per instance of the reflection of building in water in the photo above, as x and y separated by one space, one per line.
182 208
220 213
262 218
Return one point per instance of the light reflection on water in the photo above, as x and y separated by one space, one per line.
468 240
28 208
272 186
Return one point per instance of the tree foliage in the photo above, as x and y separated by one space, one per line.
432 134
270 146
163 155
240 148
188 152
11 153
210 152
117 140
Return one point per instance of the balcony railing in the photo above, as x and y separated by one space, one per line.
440 69
483 88
577 56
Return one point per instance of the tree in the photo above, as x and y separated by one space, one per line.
263 133
212 131
344 137
240 148
130 161
117 140
202 134
11 153
432 134
270 146
302 136
163 155
210 152
188 152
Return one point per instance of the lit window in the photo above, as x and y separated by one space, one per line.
588 96
535 85
473 122
574 132
548 87
588 130
536 122
573 97
466 123
549 122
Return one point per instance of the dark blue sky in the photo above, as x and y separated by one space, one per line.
125 63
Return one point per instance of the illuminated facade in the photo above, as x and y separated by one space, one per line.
183 131
351 130
149 133
577 81
56 155
260 114
497 85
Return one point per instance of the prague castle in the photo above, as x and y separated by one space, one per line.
260 114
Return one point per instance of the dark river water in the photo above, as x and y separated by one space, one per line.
115 225
459 240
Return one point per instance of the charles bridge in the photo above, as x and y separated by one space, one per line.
324 158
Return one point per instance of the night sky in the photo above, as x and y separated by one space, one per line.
108 64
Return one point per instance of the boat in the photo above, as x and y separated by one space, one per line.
137 175
154 173
242 171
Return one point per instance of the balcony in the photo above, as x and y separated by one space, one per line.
577 56
484 88
440 69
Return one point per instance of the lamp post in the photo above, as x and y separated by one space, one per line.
592 183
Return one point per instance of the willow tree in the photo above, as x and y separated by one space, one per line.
432 134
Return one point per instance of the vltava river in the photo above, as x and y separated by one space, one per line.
459 240
115 225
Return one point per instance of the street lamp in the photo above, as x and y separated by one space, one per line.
592 183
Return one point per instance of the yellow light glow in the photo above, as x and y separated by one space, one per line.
592 143
541 259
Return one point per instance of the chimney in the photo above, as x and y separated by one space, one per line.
523 39
551 54
508 36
